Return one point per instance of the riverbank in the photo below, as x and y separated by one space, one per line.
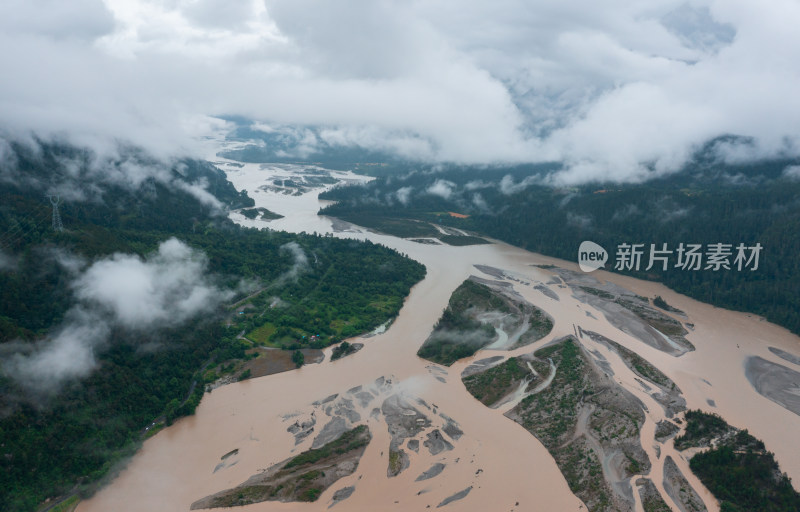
504 466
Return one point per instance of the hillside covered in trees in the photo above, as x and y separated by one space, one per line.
708 202
107 326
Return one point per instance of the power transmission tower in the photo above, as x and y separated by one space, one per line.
57 224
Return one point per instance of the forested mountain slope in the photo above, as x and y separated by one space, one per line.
706 203
109 324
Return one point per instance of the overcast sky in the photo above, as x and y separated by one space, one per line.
605 86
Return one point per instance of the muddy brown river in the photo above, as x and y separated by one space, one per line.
504 466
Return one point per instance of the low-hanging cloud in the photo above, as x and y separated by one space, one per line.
85 174
164 289
7 262
480 203
792 172
442 188
299 262
508 187
67 354
199 190
620 91
403 194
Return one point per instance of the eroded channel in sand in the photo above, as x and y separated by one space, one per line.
502 462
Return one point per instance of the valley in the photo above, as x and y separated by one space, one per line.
477 454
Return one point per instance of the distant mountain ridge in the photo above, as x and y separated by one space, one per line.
707 202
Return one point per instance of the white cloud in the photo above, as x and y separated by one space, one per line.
618 90
403 194
792 172
164 289
478 184
299 262
508 187
441 188
199 190
480 203
67 355
86 174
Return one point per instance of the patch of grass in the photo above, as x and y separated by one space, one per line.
642 367
701 428
303 478
553 414
262 213
657 320
67 505
404 228
460 240
244 496
310 475
540 325
458 333
661 303
262 335
496 382
155 429
395 462
311 494
569 384
665 429
388 304
350 440
341 350
634 467
655 503
448 351
599 293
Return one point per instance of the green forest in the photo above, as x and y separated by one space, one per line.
63 443
738 470
707 202
458 334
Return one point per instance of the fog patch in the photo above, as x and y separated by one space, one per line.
792 172
277 302
696 28
674 214
579 220
630 210
199 190
478 184
164 289
69 354
480 203
8 262
442 188
508 187
84 174
477 339
70 262
403 195
299 264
